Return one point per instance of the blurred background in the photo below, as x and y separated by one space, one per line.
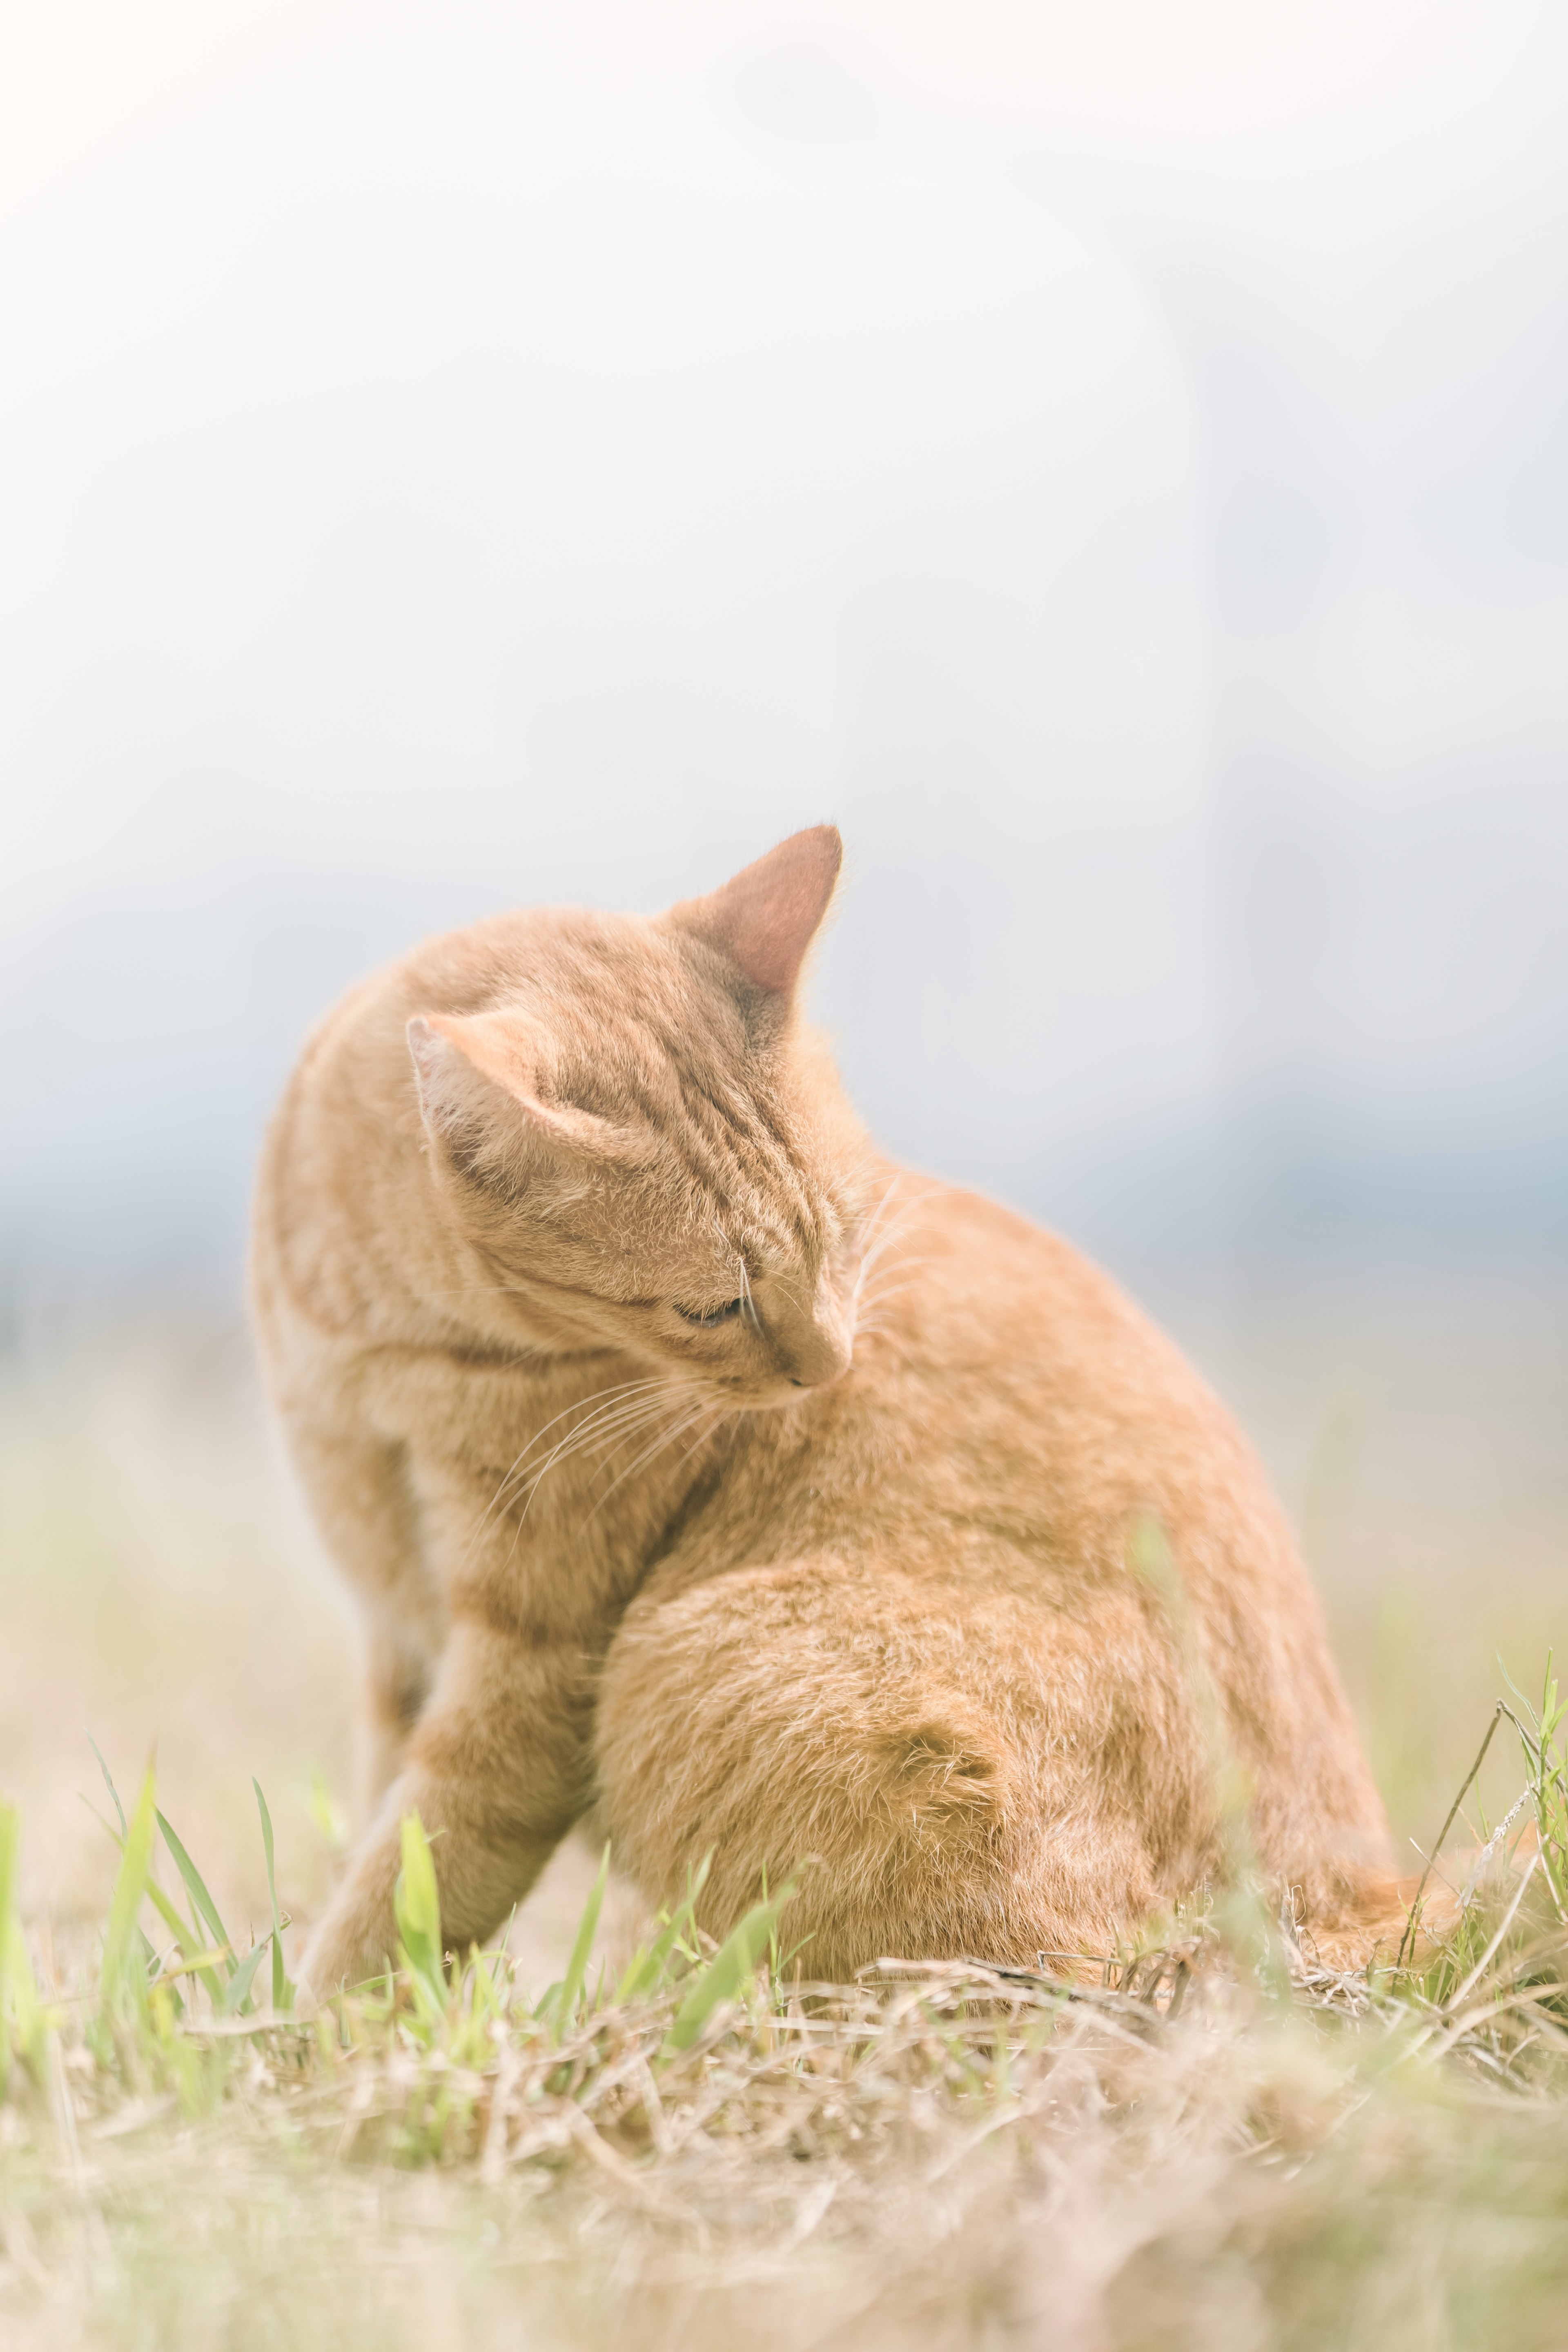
1111 460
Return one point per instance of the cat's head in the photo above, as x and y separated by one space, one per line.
647 1148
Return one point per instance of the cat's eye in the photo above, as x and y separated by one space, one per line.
709 1318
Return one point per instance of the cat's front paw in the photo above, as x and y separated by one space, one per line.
356 1941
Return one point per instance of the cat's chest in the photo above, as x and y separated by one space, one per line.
567 1473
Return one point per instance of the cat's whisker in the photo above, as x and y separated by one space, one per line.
885 1201
871 1255
609 1403
617 1426
883 1212
650 1454
601 1425
743 1276
907 1207
860 1298
907 1265
893 1289
887 1331
879 1250
719 1417
897 1291
603 1400
518 1465
599 1399
665 1437
724 1413
636 1409
900 1274
650 1410
612 1443
612 1427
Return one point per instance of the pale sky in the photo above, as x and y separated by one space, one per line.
1110 460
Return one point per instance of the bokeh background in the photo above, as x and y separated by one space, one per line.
1112 460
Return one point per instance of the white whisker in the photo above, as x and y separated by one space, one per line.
880 1249
604 1401
604 1398
724 1414
858 1300
894 1289
650 1453
869 1241
649 1411
576 1406
874 1240
618 1424
608 1444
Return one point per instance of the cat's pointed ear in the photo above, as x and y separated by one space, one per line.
450 1051
767 916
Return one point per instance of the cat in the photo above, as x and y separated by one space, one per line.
704 1475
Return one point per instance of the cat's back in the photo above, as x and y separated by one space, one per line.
976 1302
1031 1409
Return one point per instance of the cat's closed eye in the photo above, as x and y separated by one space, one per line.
709 1317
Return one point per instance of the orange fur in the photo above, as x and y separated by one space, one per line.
835 1569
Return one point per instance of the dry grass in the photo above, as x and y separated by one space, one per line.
1222 2144
1218 2145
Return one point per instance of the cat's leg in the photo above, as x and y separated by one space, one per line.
498 1765
498 1770
360 1490
935 1779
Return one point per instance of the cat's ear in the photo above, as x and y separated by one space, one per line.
460 1059
767 916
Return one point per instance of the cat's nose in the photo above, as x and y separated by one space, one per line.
816 1352
809 1333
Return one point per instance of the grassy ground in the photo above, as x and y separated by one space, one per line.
1225 2149
1219 2144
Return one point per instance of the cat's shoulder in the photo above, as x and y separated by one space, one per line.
956 1224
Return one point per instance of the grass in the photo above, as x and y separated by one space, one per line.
1213 2145
1212 2140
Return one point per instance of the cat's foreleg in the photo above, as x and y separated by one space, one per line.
498 1771
360 1490
398 1668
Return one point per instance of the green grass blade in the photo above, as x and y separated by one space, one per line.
109 1783
23 2026
234 1999
188 1940
186 1937
571 1991
646 1970
206 1908
124 1977
416 1905
728 1970
283 1990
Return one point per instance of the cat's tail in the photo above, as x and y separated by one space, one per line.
1382 1920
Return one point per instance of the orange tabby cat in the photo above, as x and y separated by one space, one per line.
697 1469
